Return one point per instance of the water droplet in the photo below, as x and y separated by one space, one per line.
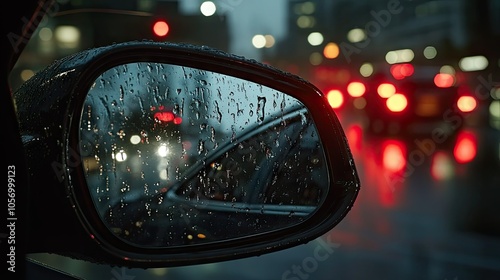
218 112
122 93
201 147
212 134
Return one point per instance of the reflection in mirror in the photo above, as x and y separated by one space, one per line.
174 155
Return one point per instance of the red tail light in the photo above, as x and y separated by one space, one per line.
401 71
444 80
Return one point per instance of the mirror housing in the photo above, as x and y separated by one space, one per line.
62 214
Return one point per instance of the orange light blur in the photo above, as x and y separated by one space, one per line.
201 236
444 80
356 89
331 51
335 98
386 90
466 104
161 28
397 102
466 147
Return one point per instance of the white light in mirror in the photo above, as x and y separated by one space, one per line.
135 139
120 156
163 150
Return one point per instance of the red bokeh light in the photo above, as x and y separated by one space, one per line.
161 28
444 80
164 116
401 71
466 147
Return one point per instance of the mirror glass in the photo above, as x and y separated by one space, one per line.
174 155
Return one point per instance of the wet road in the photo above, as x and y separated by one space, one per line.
427 210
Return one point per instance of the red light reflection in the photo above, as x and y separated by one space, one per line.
354 134
466 147
164 116
384 164
394 155
177 120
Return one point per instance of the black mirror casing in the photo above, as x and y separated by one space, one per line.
62 217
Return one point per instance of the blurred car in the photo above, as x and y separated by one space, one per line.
416 99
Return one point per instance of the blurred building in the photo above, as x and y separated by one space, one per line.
368 29
72 26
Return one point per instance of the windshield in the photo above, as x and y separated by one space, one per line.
416 85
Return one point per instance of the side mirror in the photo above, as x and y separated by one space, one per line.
148 154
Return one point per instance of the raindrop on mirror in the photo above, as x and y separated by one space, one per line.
176 155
